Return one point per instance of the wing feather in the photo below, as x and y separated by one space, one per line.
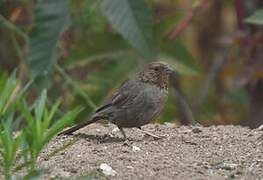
125 93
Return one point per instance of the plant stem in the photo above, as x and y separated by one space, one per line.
11 26
186 21
240 14
76 87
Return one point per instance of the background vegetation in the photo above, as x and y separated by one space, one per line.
81 50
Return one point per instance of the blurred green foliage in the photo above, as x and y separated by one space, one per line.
19 150
50 19
82 50
256 18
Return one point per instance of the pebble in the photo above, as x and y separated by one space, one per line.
115 130
260 128
227 166
107 170
129 167
170 125
135 149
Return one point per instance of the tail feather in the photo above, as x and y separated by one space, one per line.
79 126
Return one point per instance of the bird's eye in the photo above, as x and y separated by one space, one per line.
156 68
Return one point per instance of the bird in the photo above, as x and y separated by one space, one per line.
136 102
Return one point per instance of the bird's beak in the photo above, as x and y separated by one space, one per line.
168 70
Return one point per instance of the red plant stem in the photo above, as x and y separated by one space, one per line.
181 26
240 14
186 21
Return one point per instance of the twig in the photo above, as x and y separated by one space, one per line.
101 57
212 74
240 15
186 21
181 26
18 49
11 26
186 114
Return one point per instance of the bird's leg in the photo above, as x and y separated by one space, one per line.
122 132
148 133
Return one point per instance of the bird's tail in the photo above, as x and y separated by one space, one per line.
79 126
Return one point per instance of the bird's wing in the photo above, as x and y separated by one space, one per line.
127 91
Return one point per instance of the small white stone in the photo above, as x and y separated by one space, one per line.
135 148
260 128
170 125
98 130
129 167
107 170
115 130
228 166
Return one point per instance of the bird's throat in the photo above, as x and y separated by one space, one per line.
160 81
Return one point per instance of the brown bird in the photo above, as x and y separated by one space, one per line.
137 102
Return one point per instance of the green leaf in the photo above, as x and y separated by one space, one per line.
133 20
8 89
95 46
51 115
176 53
39 110
256 18
50 20
61 123
9 147
35 174
39 113
26 113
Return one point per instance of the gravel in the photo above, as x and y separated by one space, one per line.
216 152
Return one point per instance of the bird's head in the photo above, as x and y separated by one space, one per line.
156 73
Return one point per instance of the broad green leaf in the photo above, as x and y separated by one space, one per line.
256 18
176 53
96 46
133 20
50 20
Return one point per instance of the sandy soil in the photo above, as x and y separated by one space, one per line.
217 152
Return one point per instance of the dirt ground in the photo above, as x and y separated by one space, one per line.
217 152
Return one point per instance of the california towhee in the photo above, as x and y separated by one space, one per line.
137 102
